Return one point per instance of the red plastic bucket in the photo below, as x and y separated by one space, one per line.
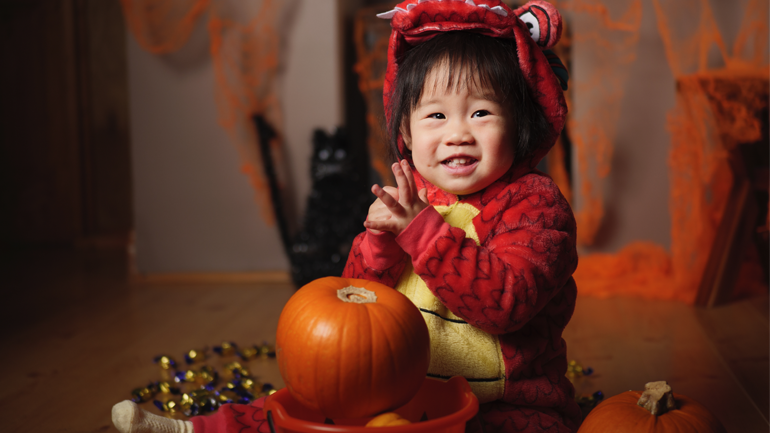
443 406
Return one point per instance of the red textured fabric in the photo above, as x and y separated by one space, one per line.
516 284
234 418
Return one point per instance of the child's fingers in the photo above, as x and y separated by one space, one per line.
388 200
423 194
404 191
392 191
409 176
379 226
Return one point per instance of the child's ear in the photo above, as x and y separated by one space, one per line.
406 138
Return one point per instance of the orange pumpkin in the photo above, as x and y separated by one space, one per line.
351 348
387 419
656 409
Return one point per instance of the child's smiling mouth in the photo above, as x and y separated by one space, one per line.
458 162
460 165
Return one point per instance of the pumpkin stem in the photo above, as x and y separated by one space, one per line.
657 398
357 295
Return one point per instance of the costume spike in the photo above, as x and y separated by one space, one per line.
497 9
500 11
387 15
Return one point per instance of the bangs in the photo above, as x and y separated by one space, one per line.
458 75
469 61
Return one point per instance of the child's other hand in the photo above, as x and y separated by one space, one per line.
378 211
401 206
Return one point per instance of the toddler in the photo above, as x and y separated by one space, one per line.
474 235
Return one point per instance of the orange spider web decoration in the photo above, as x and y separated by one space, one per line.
717 107
162 27
711 117
246 57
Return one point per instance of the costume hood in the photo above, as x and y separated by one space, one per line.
536 26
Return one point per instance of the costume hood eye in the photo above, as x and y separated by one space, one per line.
543 22
534 27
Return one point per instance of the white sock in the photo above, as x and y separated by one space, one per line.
129 418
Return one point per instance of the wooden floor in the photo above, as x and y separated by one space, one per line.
77 338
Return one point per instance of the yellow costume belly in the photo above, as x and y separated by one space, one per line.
457 348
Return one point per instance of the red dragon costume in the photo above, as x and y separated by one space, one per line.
491 271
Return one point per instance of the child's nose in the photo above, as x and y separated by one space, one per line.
458 133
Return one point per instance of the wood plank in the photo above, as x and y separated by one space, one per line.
629 342
741 336
259 277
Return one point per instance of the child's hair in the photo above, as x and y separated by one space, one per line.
486 63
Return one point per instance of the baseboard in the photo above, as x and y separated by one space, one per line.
257 277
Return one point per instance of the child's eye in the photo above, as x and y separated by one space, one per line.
480 113
437 116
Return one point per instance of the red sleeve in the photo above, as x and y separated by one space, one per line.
527 254
375 257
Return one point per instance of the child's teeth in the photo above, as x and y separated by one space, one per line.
457 161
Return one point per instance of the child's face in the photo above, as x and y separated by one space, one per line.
461 139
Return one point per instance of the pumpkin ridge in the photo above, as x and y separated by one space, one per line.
372 347
391 347
393 323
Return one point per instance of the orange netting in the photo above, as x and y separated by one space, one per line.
246 61
610 47
371 36
721 95
163 27
721 86
245 44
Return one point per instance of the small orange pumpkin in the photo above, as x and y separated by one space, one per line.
387 419
656 410
351 348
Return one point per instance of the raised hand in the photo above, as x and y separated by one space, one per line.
395 208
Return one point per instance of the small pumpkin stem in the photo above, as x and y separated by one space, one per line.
357 295
657 398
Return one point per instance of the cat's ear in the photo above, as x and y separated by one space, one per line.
319 138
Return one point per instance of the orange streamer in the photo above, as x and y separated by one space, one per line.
371 38
162 26
720 95
246 61
611 45
721 88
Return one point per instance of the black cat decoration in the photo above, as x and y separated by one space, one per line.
336 208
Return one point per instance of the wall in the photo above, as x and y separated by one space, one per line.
194 210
